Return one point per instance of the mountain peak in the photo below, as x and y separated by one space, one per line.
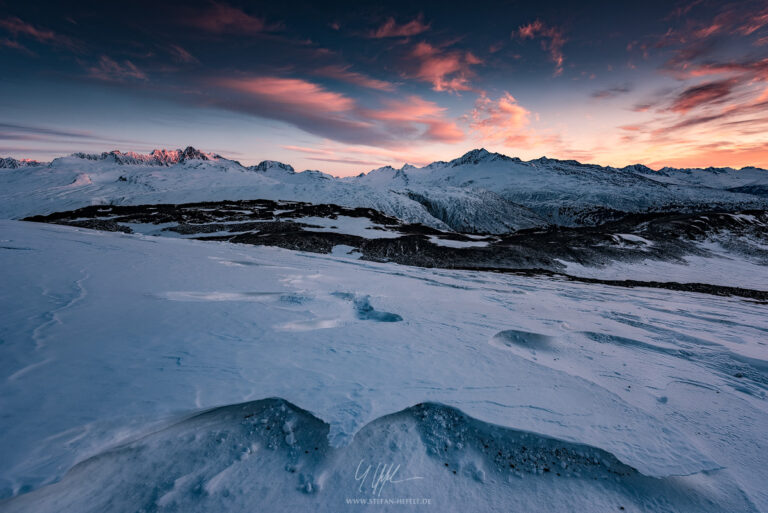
477 156
155 158
268 164
12 163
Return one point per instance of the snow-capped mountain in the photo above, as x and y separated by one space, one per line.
155 158
11 163
566 192
479 192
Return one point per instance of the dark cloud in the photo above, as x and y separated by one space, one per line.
702 94
612 92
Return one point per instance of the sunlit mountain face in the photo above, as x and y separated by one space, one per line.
344 87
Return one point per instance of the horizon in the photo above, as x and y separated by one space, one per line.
399 166
340 89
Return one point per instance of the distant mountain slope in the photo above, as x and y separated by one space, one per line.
572 194
480 192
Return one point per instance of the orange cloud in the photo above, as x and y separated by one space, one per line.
555 44
391 29
502 121
717 155
445 70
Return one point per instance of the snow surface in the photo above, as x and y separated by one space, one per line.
113 343
722 267
359 226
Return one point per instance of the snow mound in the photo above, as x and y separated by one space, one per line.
430 454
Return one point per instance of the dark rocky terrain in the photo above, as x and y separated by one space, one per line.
633 238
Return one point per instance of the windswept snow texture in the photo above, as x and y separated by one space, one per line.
480 192
164 374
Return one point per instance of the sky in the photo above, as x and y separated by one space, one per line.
345 87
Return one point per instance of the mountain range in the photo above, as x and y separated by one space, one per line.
480 192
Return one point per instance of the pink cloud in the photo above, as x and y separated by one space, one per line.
181 55
554 45
110 70
702 94
344 74
446 70
404 114
221 18
336 116
391 29
10 43
17 27
734 19
503 120
291 91
365 155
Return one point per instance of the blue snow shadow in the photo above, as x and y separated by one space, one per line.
364 310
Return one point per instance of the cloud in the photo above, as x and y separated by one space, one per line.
406 116
10 43
702 94
446 70
333 115
612 92
756 69
734 19
220 18
344 74
346 161
181 55
698 38
502 121
554 45
371 157
391 29
17 27
109 70
22 132
38 130
291 92
725 154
